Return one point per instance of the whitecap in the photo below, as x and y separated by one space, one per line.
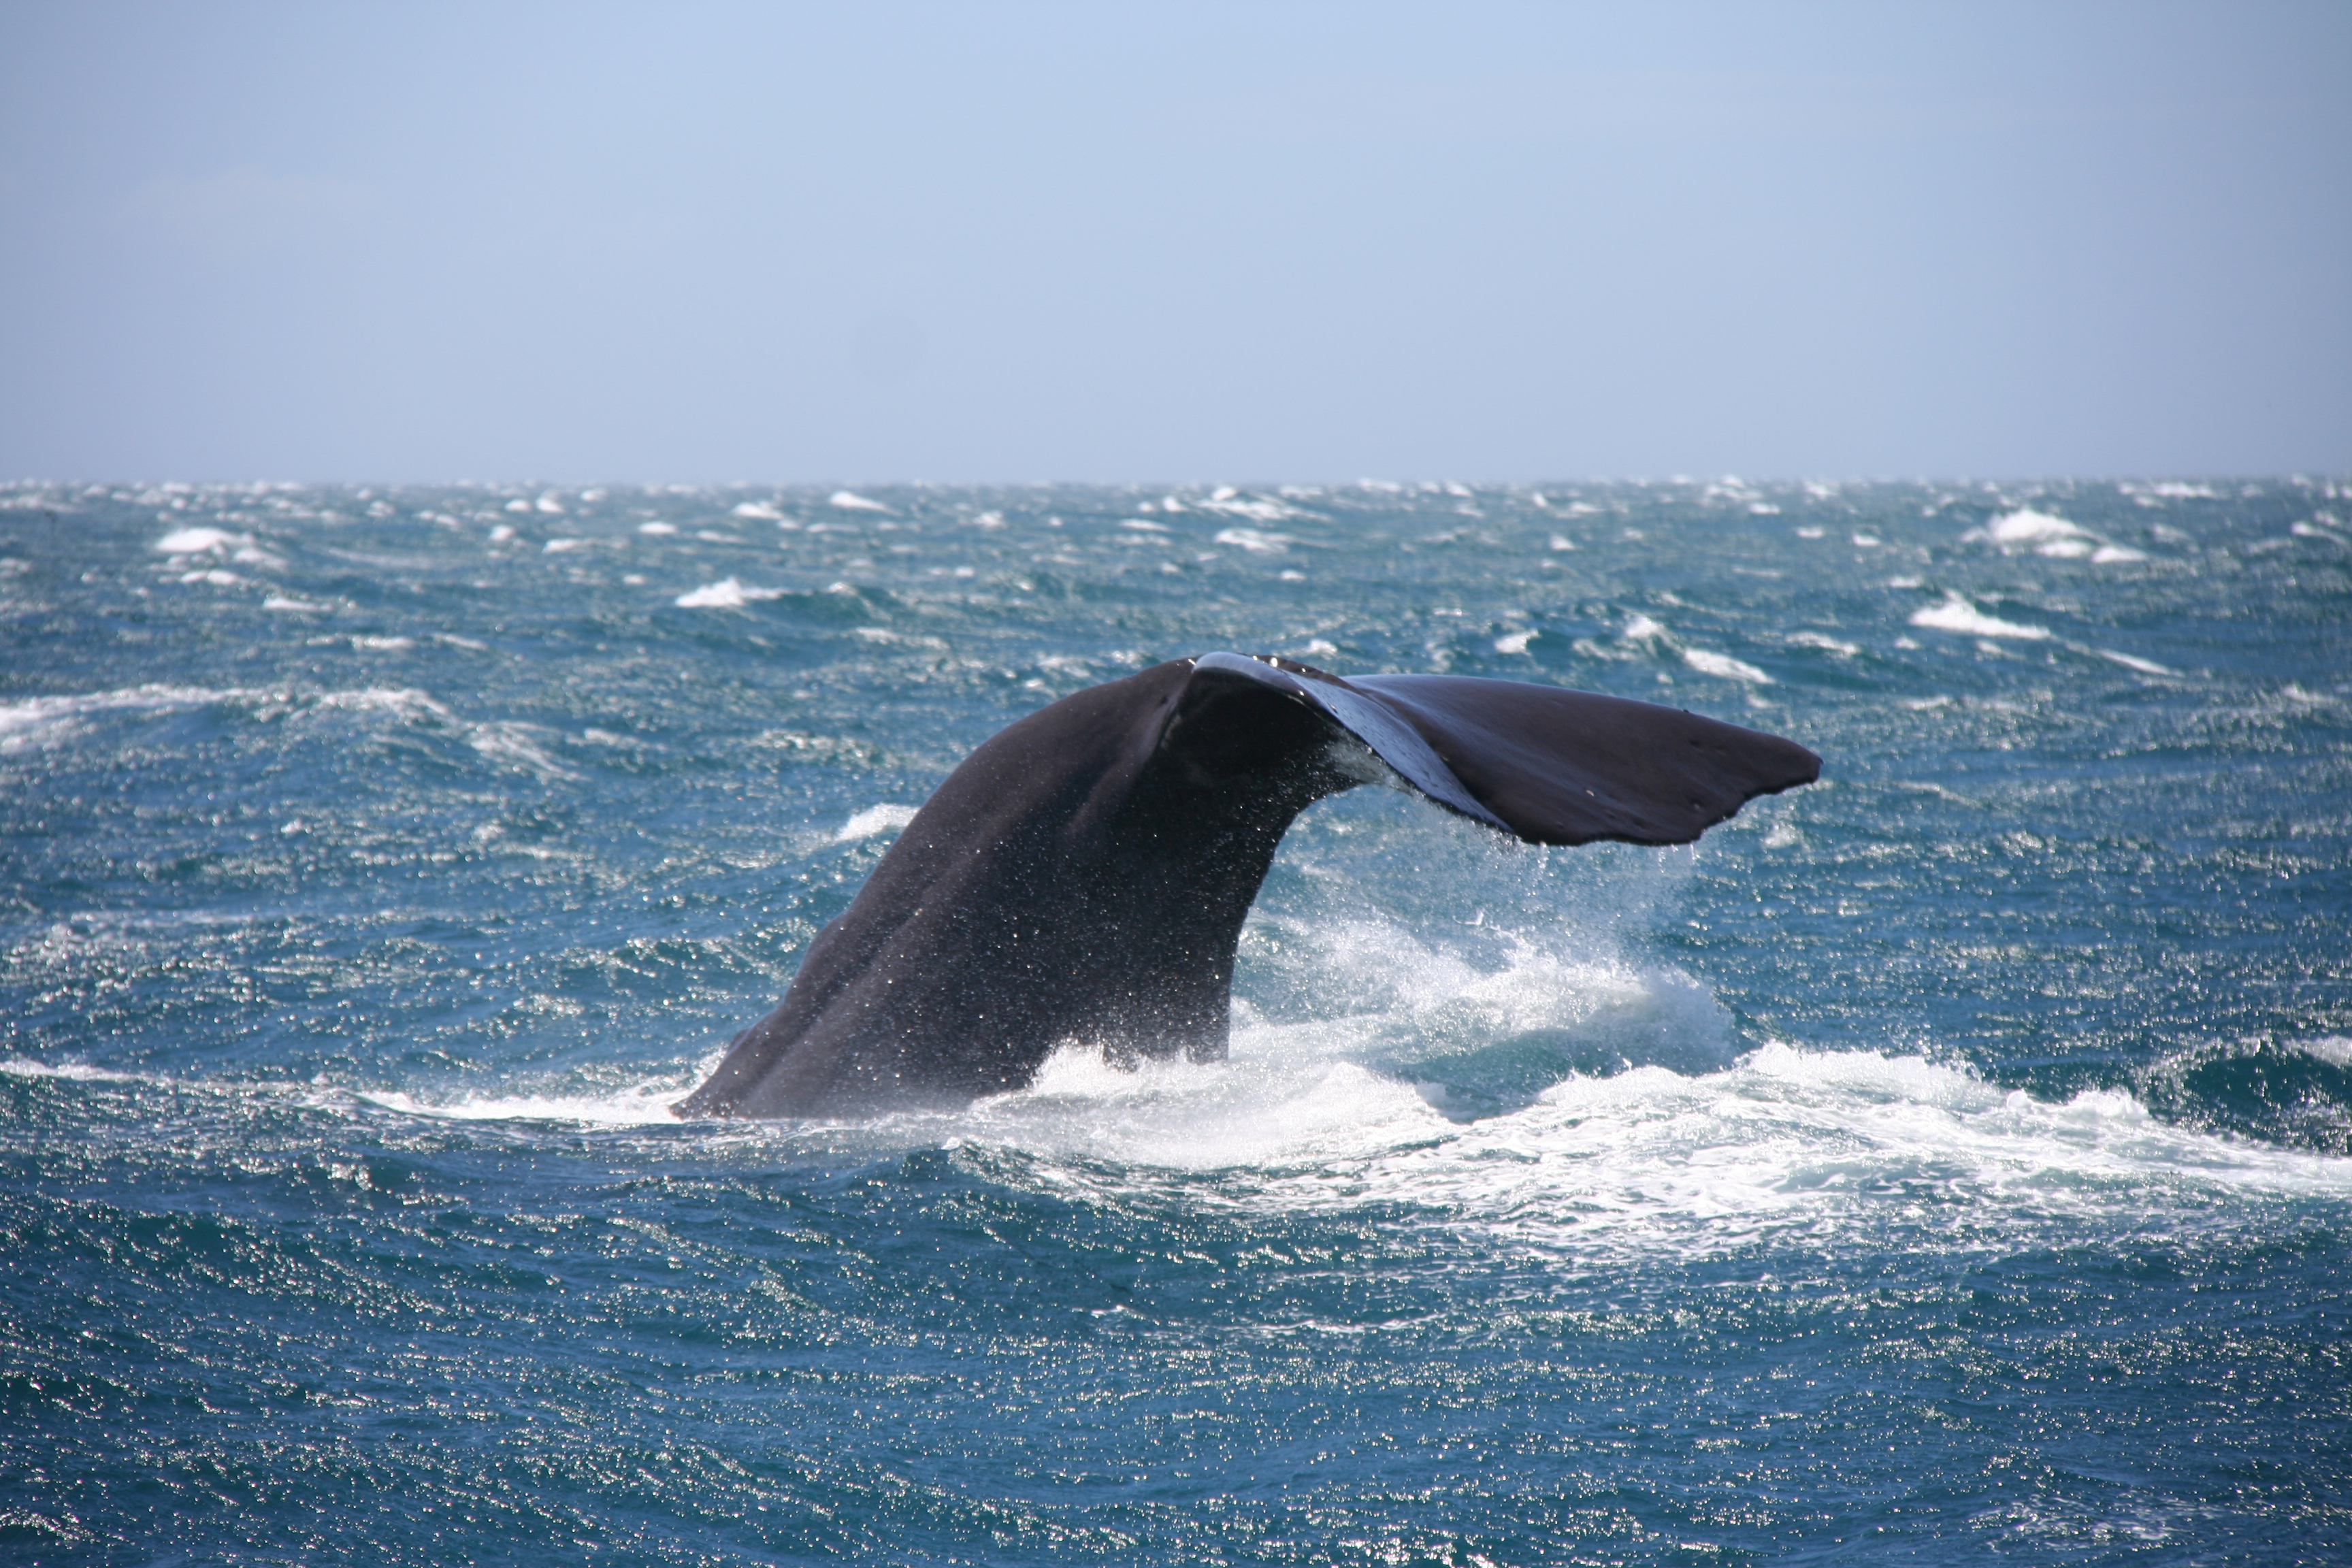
39 721
760 511
1957 615
2131 662
514 743
76 1072
558 546
1641 629
850 500
1724 665
1233 504
1253 540
400 702
726 594
656 530
2050 535
2334 1050
1515 642
2026 526
200 541
640 1105
1825 643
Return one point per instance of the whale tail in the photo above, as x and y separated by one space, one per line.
1543 763
1084 873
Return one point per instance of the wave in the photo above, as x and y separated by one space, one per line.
1554 1104
1547 1090
40 723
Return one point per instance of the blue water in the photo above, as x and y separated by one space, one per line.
1951 1159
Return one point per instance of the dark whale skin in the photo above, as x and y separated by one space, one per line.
1084 874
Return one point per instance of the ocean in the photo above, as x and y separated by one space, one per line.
1949 1161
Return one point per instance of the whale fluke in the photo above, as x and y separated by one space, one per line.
1084 873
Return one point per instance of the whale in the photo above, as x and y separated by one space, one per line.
1083 876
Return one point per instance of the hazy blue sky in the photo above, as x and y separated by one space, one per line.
1251 242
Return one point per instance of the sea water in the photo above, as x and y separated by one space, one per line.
1951 1159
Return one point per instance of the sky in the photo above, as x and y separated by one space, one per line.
1263 242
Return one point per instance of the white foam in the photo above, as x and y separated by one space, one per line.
640 1105
21 1066
1957 615
558 546
850 500
40 720
2026 526
874 819
1515 642
1255 542
1641 629
759 511
2049 534
1650 1159
515 744
400 702
1233 504
2130 661
656 530
289 603
1826 643
200 541
726 594
1688 1153
1724 665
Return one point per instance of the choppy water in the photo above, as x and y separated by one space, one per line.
1954 1157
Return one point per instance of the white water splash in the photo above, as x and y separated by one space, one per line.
875 819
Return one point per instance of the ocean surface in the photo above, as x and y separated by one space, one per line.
1951 1162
